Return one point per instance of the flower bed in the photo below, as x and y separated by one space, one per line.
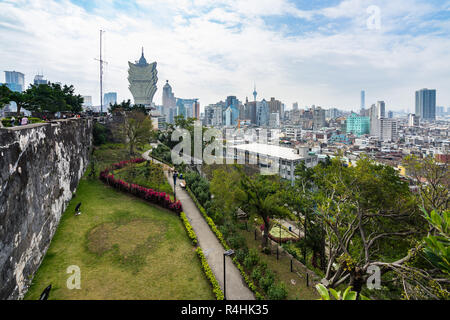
160 198
285 239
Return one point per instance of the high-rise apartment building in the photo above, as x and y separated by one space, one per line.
388 129
274 120
363 99
15 81
381 109
358 125
413 120
426 104
39 79
262 113
109 98
196 109
87 102
373 115
318 118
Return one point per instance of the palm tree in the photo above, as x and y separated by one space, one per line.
261 197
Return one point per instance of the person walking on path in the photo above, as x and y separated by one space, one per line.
24 121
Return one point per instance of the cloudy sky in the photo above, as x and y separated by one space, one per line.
312 52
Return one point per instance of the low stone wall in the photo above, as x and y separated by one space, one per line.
40 167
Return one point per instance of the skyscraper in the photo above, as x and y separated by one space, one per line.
39 79
363 99
426 104
388 130
15 81
168 97
373 115
109 98
358 125
197 110
262 113
381 109
142 78
318 118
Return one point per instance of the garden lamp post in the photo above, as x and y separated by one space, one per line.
226 253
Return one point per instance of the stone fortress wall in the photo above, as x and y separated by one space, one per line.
40 167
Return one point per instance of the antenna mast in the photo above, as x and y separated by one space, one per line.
101 75
101 72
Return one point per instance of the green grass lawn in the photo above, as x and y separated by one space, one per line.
282 271
125 248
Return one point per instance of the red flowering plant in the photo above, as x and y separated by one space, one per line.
150 195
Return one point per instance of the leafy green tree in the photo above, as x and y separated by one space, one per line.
126 106
99 134
432 180
46 97
22 100
224 186
363 208
136 130
4 95
437 243
337 295
261 197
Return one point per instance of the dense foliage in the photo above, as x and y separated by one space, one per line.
49 97
353 219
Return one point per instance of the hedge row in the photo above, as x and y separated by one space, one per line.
205 266
189 229
160 198
160 160
7 121
210 275
219 236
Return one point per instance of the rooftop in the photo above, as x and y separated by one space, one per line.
270 150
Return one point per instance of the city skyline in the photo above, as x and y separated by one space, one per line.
322 54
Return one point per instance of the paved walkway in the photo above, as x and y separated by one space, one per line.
236 287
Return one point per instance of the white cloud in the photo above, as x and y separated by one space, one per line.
210 49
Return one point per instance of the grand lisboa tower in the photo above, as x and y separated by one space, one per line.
142 77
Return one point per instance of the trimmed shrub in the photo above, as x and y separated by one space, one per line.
277 291
267 280
236 241
252 259
257 274
209 274
241 254
189 228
